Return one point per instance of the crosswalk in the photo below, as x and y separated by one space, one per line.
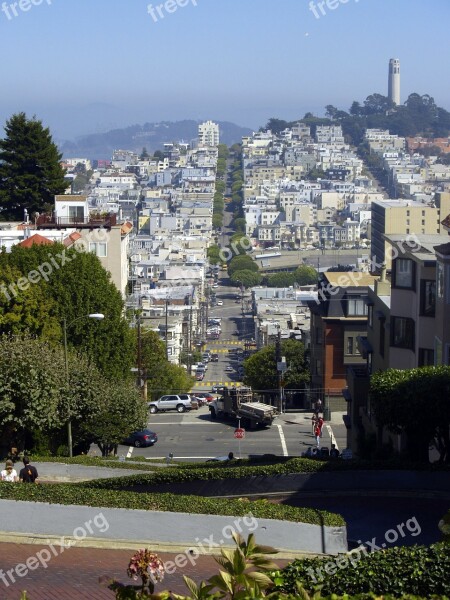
219 350
210 384
217 344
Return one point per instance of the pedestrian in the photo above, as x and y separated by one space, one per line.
334 452
29 473
317 436
320 424
313 422
230 456
9 473
318 407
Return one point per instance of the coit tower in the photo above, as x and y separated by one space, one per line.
394 80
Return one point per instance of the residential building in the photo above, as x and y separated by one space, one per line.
208 134
338 318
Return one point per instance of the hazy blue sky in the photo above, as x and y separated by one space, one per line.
86 66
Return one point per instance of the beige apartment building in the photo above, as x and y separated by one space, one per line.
408 325
407 218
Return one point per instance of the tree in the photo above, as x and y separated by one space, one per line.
246 278
162 377
37 400
223 151
30 170
78 287
144 154
415 402
242 262
240 224
213 254
305 275
276 125
281 280
217 221
158 155
377 103
122 412
220 186
261 368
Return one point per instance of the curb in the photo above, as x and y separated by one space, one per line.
102 544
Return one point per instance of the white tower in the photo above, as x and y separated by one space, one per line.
394 80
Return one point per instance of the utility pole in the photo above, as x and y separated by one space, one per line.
167 325
278 360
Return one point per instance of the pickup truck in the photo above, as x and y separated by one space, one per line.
180 403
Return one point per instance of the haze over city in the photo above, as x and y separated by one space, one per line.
87 67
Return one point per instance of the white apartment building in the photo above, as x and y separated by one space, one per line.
208 134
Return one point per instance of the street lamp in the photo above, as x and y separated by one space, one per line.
97 317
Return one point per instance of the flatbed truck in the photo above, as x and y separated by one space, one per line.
238 404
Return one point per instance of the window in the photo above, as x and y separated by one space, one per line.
318 367
98 248
350 345
426 357
427 298
370 315
440 281
402 333
404 272
382 339
369 363
318 335
356 307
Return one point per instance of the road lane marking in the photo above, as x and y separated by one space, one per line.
283 441
331 434
130 451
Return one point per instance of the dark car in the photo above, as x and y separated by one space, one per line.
140 439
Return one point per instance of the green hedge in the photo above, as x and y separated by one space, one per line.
238 470
74 494
418 570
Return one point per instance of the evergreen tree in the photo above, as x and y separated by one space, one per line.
30 170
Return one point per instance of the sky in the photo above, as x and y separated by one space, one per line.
88 66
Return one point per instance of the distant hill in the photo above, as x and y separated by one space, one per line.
150 135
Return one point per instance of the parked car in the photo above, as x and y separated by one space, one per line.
140 439
178 402
219 302
203 397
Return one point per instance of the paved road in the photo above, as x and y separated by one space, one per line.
193 436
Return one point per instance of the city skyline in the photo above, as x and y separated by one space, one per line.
88 68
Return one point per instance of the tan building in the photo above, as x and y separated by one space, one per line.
405 217
408 326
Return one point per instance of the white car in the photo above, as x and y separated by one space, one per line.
219 302
229 369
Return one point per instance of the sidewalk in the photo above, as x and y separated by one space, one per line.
74 574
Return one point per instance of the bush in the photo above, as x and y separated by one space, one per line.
81 495
418 570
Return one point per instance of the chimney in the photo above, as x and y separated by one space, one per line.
382 285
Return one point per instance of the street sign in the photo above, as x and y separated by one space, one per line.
239 433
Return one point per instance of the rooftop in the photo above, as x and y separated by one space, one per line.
346 279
